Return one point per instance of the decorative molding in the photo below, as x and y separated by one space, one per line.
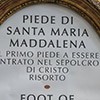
96 3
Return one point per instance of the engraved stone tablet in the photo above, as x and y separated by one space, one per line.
48 52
